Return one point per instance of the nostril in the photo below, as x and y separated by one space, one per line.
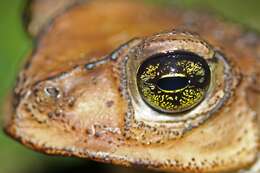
172 83
52 92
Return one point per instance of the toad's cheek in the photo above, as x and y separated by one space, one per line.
73 113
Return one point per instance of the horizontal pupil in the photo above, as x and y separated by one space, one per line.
172 83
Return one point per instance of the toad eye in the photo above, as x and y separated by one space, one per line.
173 82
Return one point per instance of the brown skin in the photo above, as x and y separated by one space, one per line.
38 12
64 105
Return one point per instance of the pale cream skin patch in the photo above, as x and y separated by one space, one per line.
78 96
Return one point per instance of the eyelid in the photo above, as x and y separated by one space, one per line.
177 41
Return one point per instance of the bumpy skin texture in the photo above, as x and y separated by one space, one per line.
73 98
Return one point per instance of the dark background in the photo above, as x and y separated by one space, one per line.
15 44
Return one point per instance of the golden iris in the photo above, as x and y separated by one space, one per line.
173 82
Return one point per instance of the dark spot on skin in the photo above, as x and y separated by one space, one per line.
16 100
50 114
119 89
94 80
58 112
34 106
110 103
35 91
97 134
27 65
26 108
88 131
71 101
238 152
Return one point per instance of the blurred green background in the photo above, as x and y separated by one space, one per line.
15 44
